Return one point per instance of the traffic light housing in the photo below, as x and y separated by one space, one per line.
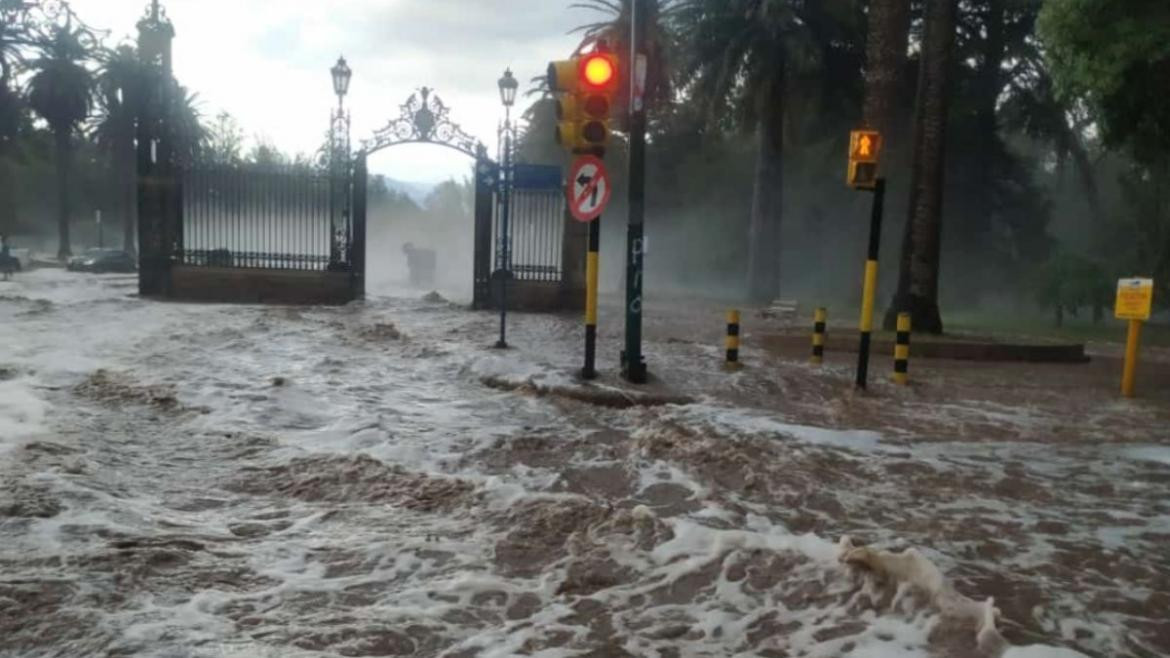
585 87
865 147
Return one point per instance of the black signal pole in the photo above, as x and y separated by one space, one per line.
869 290
633 363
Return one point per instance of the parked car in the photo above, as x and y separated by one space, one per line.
101 261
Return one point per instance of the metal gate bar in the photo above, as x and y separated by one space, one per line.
248 217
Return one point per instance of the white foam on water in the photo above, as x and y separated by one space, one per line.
22 413
741 421
424 567
1042 651
1153 454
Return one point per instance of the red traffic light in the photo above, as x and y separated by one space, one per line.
598 71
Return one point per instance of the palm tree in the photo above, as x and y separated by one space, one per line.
919 272
885 64
190 135
60 91
614 29
119 86
743 56
12 37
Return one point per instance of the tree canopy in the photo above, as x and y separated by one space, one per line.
1116 56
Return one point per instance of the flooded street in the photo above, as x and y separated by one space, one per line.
190 480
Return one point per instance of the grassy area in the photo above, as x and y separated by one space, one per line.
1004 325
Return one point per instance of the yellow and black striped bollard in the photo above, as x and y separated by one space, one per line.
592 276
902 351
820 325
733 338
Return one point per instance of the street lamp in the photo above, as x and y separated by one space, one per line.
339 135
508 86
341 77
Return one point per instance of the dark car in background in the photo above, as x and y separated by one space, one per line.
102 261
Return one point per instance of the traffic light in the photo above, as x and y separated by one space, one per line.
865 147
585 87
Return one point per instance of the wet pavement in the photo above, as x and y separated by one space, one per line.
374 480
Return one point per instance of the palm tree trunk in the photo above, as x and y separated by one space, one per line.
885 59
64 157
764 232
919 272
885 63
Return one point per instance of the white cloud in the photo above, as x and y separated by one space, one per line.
267 62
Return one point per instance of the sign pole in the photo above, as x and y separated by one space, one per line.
1132 344
592 280
588 192
633 363
869 292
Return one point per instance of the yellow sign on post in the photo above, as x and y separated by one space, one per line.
865 148
1135 299
1135 302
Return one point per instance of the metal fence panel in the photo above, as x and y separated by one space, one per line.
537 228
252 217
536 223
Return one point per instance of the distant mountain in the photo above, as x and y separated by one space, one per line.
418 192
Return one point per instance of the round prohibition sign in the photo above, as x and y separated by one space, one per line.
589 188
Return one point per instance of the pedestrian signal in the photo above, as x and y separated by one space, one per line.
865 147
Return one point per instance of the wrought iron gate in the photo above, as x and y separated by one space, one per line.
425 119
263 218
536 224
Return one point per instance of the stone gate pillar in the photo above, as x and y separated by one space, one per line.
159 202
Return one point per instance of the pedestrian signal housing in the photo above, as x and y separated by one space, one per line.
865 147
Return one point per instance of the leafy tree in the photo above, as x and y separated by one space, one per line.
1068 283
60 91
1115 56
266 154
225 140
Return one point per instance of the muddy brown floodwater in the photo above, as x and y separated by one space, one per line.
207 481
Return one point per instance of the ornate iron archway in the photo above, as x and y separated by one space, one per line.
425 119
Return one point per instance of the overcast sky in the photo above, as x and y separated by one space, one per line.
267 62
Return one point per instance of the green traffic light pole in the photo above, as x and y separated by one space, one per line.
633 363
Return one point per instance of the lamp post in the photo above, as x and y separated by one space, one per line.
339 131
508 86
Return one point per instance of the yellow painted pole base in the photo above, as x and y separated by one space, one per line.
1132 344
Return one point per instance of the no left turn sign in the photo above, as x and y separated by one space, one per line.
589 188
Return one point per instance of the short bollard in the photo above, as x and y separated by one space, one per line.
902 351
733 338
820 323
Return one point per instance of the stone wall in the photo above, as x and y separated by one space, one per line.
246 286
